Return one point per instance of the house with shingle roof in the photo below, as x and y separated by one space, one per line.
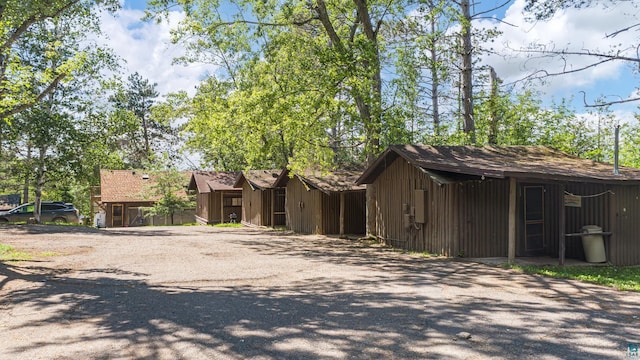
263 204
216 197
324 202
125 193
503 201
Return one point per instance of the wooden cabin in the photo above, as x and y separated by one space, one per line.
262 203
124 195
216 198
324 203
503 202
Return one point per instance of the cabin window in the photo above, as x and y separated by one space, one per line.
235 201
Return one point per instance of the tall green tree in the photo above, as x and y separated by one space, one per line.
21 86
142 135
49 135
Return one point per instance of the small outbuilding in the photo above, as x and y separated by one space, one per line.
123 196
324 202
503 201
216 198
263 204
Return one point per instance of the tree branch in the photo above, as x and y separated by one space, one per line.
37 99
606 103
24 26
615 33
507 2
323 16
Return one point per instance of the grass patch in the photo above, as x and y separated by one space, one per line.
63 224
9 253
621 278
50 254
423 254
229 225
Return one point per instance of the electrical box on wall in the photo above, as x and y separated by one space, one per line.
421 206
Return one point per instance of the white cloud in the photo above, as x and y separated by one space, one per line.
147 49
574 30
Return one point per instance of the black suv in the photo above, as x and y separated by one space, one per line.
51 211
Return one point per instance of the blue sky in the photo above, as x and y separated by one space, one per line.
147 50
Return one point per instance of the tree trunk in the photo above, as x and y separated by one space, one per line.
367 102
37 208
493 111
435 82
467 73
27 175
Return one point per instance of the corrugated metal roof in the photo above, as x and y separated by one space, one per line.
540 162
128 186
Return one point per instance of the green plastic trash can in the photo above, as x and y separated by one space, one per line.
593 244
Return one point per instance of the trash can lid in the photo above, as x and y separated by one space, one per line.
591 229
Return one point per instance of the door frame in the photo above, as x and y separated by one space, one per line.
525 223
113 217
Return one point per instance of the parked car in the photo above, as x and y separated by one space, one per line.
51 211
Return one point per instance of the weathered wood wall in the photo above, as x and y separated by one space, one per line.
482 216
134 214
314 212
202 207
252 205
624 244
303 207
594 210
354 212
463 219
471 218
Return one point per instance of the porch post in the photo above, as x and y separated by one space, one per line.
221 207
512 220
273 208
562 217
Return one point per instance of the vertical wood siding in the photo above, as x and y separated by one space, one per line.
593 211
468 219
214 207
625 214
303 208
202 207
252 205
320 212
266 208
331 213
483 218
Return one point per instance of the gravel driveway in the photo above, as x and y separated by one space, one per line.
221 293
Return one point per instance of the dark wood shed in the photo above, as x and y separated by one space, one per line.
262 202
216 198
324 203
503 202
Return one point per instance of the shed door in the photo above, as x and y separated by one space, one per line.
534 241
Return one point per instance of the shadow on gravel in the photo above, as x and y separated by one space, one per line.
325 318
110 232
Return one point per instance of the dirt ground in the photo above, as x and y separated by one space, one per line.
219 293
